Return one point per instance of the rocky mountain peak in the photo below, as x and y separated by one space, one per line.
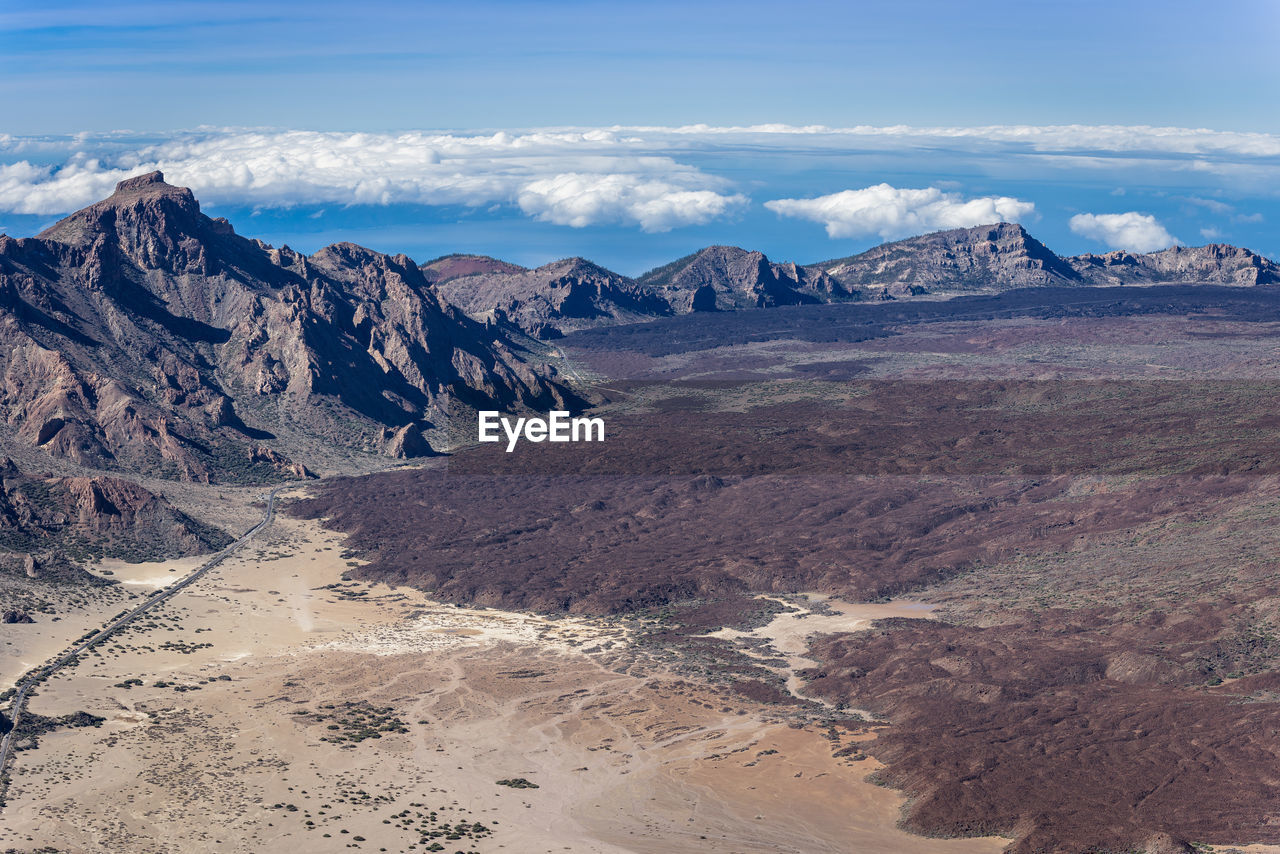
1217 263
141 206
577 265
723 278
140 334
150 182
984 257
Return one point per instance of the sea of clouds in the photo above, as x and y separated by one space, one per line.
641 177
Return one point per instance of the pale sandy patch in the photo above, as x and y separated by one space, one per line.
435 627
788 634
152 574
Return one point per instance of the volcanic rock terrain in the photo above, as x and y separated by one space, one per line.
1095 521
1053 495
47 522
456 266
574 294
140 334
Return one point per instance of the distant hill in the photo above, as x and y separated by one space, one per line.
454 266
987 257
1217 263
574 294
1002 256
555 298
724 278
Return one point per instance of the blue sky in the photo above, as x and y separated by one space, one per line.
404 100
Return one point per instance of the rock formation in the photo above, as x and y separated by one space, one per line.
140 334
1216 263
86 517
555 298
987 257
723 278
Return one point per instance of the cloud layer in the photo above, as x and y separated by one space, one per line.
575 178
1103 139
1131 231
891 212
654 178
579 200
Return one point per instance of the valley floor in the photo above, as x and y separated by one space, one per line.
281 708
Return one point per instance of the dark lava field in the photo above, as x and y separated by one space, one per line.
1090 494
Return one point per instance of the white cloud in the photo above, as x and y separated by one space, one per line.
891 212
26 188
635 175
577 200
1131 231
570 178
1042 138
1211 205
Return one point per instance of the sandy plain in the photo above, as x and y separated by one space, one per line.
276 707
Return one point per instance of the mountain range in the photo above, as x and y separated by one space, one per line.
569 295
141 335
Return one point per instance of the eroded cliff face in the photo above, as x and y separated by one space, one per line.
724 278
987 257
141 334
1216 263
44 521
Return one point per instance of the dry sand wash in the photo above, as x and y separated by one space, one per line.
257 686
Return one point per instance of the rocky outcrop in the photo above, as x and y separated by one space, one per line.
140 334
1216 263
988 257
1004 256
555 298
86 517
724 278
575 294
15 616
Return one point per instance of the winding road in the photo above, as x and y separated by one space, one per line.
71 655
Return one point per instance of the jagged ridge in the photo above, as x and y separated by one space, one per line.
141 334
555 298
575 294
